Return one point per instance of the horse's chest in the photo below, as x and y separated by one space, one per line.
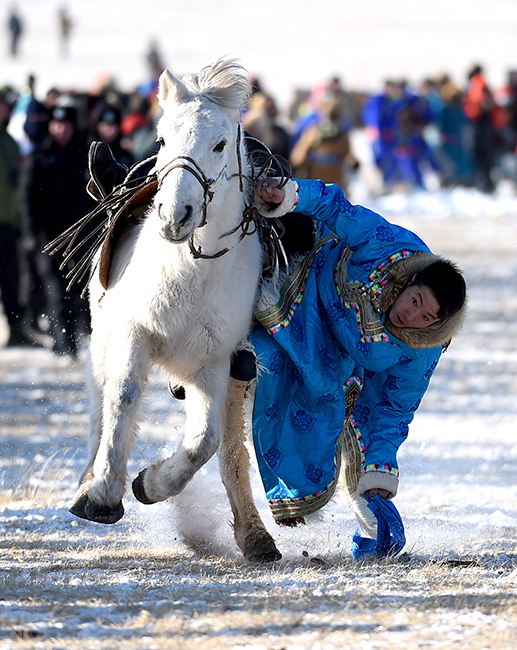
185 313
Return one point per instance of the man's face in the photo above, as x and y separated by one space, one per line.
62 131
415 307
108 131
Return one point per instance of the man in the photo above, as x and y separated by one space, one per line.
347 353
10 228
53 198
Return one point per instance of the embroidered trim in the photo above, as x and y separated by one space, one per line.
353 450
364 298
291 294
300 507
352 389
383 268
381 468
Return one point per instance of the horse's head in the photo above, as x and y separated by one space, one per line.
199 149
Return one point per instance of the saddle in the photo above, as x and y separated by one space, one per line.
109 178
125 196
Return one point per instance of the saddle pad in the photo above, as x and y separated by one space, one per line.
129 215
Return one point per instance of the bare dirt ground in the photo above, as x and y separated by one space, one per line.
171 577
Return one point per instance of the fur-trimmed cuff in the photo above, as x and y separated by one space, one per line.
275 210
380 480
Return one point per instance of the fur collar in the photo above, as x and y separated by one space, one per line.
398 278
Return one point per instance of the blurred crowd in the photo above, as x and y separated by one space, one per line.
462 136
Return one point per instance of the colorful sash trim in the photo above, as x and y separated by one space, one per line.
382 468
352 448
279 315
378 275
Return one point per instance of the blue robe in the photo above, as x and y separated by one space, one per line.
333 377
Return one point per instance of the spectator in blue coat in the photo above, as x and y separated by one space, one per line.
381 127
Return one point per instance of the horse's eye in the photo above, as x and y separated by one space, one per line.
161 142
220 147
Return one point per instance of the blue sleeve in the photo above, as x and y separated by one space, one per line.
387 405
355 225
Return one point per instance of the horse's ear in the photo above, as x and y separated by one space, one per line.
170 88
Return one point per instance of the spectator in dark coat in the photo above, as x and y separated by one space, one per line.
10 228
106 123
479 107
15 31
54 197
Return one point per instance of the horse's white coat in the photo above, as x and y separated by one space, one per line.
163 306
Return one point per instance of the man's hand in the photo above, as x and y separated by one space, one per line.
269 191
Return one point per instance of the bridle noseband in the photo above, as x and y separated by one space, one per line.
251 221
189 164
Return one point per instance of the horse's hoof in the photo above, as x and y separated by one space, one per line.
138 489
260 547
292 522
103 514
78 506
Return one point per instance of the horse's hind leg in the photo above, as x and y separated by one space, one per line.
255 542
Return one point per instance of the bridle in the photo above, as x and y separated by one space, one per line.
189 164
80 247
251 221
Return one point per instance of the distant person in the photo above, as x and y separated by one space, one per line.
455 131
154 61
65 29
106 126
261 122
53 198
479 106
381 123
10 228
38 117
323 149
15 31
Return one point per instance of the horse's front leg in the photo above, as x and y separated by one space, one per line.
251 535
125 367
96 379
204 405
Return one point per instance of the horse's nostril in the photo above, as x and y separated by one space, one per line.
187 216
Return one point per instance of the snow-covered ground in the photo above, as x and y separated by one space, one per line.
169 575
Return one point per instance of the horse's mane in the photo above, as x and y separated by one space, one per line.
225 83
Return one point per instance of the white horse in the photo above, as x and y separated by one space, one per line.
178 292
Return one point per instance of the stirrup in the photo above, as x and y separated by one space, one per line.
105 172
243 367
